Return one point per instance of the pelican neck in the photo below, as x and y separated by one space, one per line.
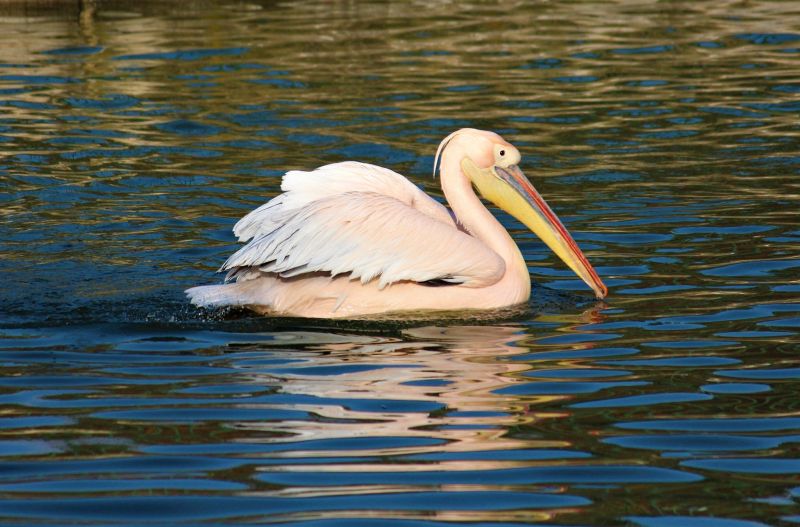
476 219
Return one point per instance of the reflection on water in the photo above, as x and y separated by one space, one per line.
132 136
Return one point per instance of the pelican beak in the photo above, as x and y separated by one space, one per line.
520 199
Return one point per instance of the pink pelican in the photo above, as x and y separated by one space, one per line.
352 239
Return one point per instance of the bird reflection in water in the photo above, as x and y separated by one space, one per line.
435 382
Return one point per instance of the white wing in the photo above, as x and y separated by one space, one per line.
365 221
303 188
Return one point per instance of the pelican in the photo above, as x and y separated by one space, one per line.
352 239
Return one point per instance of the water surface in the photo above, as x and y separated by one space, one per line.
133 136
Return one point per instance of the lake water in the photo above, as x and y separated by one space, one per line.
665 134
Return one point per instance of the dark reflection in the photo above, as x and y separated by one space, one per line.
133 135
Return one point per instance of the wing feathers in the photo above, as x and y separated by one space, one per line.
363 221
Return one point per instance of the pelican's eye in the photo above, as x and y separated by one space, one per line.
505 155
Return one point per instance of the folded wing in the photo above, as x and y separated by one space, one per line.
362 221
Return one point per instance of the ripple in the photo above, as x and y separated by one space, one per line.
579 79
680 344
33 422
26 447
576 373
225 389
187 127
553 388
74 50
789 322
738 229
371 443
645 400
210 507
38 79
340 369
578 338
720 424
186 54
646 83
461 88
769 38
628 239
753 268
116 465
577 354
776 373
643 50
543 63
51 381
170 371
655 289
753 334
735 387
120 485
109 102
497 455
757 465
698 443
690 362
183 415
598 474
598 176
699 521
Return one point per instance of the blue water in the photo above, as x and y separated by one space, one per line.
665 135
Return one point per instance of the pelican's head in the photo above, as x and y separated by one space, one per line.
491 165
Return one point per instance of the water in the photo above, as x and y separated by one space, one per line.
664 134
